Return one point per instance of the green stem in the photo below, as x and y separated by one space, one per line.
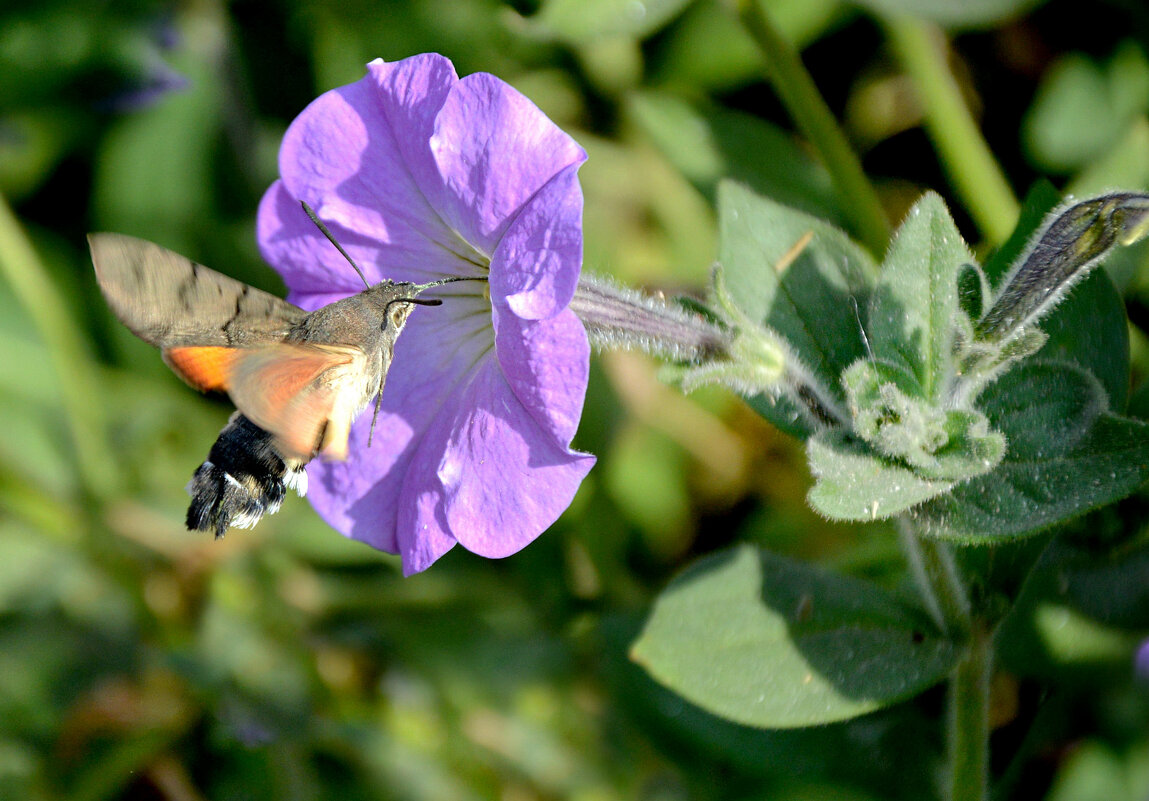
974 173
932 566
968 720
806 106
935 571
79 385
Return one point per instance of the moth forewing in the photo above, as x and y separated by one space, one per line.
168 300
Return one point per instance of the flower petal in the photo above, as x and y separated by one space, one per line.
291 242
494 149
361 497
504 477
347 155
493 471
357 497
537 263
546 364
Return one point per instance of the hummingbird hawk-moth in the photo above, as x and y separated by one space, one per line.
298 379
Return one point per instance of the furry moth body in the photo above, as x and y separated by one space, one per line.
297 379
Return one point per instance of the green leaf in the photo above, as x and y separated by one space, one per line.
1089 330
1082 108
808 302
951 13
584 21
710 143
1087 579
709 50
915 306
898 752
854 483
1077 610
973 290
770 642
1066 455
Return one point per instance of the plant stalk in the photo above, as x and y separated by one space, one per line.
968 720
967 731
809 111
79 385
973 171
936 575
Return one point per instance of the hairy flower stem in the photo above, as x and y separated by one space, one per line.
738 353
933 569
619 317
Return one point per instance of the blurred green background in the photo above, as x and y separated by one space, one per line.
138 661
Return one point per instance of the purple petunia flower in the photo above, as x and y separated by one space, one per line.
422 175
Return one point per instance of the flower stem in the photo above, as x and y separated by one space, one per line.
79 385
619 317
968 720
806 106
973 171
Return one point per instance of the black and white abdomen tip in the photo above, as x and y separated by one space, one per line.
243 479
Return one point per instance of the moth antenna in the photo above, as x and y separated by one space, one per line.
330 238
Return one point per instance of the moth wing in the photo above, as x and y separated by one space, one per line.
204 368
168 300
288 390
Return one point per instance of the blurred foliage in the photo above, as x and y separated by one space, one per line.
140 662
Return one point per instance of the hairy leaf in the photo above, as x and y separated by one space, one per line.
801 277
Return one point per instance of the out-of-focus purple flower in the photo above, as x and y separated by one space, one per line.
146 89
422 175
1141 662
145 75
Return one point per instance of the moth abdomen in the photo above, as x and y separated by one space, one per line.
243 479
